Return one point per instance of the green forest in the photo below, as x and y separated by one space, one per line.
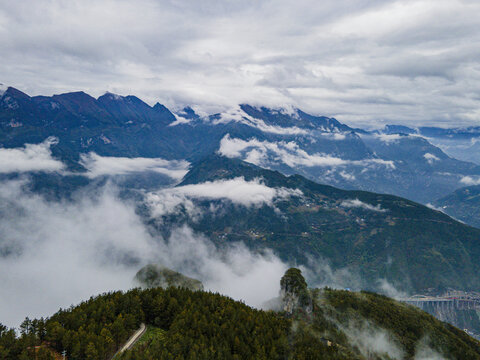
186 324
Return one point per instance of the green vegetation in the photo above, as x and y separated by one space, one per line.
463 204
152 333
410 245
202 324
406 325
153 275
185 324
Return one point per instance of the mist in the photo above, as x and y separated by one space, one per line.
56 254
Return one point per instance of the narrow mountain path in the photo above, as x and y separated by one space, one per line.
133 339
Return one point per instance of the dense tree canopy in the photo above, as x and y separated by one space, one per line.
185 324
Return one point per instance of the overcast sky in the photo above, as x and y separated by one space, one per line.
364 62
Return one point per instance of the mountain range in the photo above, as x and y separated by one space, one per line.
383 210
395 160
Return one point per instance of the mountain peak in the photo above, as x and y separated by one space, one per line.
188 113
15 93
290 116
110 96
76 96
160 108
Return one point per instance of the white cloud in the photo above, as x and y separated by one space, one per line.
389 138
433 207
347 176
430 158
108 165
470 180
234 271
61 253
368 339
356 203
289 153
338 136
424 352
3 88
238 115
238 190
32 157
179 120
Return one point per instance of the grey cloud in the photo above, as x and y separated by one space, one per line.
331 57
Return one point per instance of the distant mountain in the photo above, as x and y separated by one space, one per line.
461 143
288 140
463 204
378 237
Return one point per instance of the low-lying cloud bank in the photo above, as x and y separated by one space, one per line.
97 165
259 152
31 157
55 254
39 158
233 270
356 203
470 180
237 190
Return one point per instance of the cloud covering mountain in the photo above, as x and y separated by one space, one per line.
361 61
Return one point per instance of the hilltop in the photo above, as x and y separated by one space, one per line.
201 325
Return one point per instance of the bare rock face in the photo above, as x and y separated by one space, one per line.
294 292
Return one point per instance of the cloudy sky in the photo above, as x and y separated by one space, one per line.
364 62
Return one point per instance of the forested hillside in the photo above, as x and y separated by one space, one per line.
183 324
377 236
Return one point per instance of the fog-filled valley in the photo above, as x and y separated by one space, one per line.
114 194
224 180
58 253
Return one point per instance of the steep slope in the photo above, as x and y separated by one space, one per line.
463 204
377 237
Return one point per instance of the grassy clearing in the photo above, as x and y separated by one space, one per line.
151 333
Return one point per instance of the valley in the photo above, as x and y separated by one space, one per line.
344 204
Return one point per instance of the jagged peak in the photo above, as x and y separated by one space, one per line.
160 108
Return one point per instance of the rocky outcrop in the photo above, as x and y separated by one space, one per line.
294 293
154 275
